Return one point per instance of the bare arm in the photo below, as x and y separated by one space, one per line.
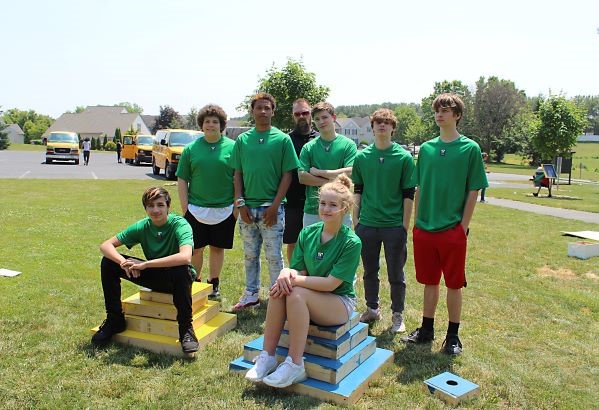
183 257
469 209
356 210
307 178
238 187
407 212
416 199
331 173
270 213
322 284
183 188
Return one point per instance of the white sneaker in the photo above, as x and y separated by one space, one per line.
247 300
371 315
264 365
286 374
397 325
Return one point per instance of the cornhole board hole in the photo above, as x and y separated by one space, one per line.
450 388
583 249
346 392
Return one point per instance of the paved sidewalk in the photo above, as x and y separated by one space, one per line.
583 216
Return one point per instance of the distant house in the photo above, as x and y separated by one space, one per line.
235 128
149 120
357 129
97 121
15 134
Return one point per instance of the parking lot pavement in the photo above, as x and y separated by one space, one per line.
102 165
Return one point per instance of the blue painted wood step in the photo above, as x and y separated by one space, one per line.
346 392
332 332
333 349
317 367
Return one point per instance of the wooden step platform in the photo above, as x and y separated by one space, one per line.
346 392
332 349
206 333
317 367
152 320
332 332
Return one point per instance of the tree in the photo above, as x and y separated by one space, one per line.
466 127
32 123
288 84
132 131
79 109
4 142
561 122
130 107
406 116
117 135
168 118
590 103
497 104
105 141
191 119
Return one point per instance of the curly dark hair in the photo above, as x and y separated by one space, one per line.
213 110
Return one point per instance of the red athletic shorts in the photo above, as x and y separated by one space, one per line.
437 253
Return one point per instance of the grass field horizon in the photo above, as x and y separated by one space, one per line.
530 321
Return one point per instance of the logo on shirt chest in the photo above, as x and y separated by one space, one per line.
213 148
443 152
319 256
381 160
261 141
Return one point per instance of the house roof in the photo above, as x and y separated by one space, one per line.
346 122
96 120
149 120
361 121
14 129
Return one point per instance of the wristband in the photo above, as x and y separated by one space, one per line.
239 202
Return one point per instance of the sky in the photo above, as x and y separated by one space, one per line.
60 54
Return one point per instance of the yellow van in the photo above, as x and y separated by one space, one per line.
62 146
137 148
167 149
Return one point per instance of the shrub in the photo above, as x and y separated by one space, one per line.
110 146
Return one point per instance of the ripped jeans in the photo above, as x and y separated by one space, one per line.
253 235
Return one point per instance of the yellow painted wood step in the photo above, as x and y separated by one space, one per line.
198 291
206 333
133 305
170 328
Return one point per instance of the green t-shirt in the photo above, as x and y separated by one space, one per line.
339 257
263 157
206 167
338 153
384 174
445 175
158 242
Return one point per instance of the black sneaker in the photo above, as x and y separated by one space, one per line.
189 341
108 328
419 336
215 292
452 345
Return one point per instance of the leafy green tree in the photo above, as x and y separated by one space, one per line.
417 133
79 109
130 107
168 118
132 131
497 104
428 115
590 104
37 124
406 116
364 110
287 84
191 119
105 141
561 122
4 142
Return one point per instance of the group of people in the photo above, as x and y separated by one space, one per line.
308 190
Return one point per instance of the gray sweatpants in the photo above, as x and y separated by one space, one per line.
394 241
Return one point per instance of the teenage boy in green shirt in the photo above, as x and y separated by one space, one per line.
167 243
384 194
263 159
205 182
323 158
449 173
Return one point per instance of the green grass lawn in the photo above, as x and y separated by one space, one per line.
586 154
581 197
530 318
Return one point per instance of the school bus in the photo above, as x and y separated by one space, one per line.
137 148
167 149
